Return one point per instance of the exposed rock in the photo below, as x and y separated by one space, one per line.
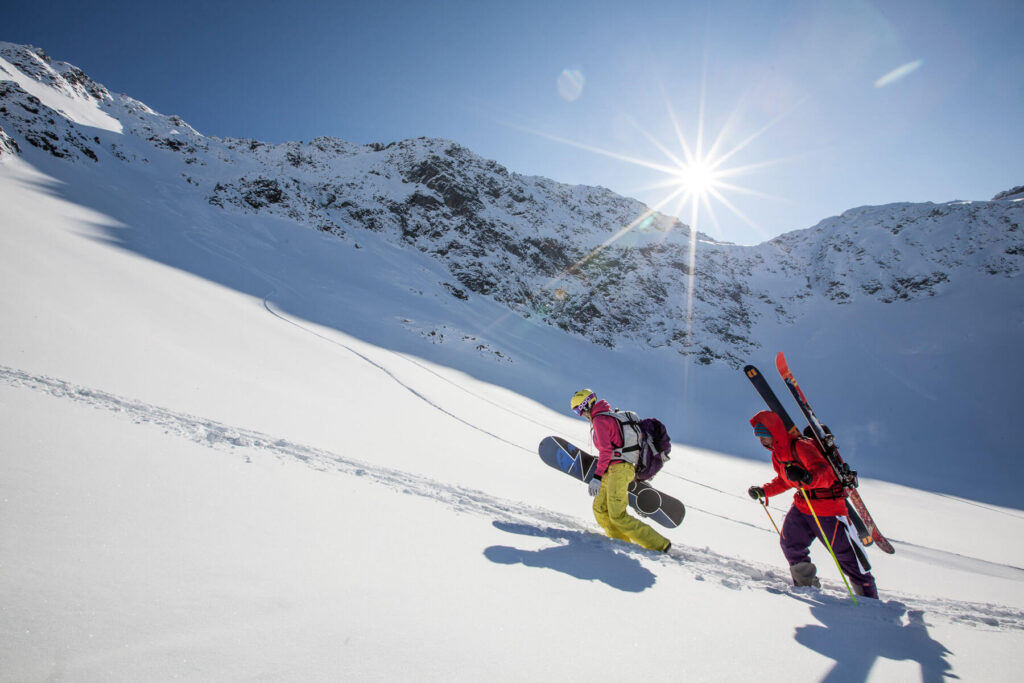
1012 193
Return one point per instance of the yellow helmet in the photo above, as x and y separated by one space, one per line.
582 401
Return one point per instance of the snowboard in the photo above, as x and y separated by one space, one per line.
644 498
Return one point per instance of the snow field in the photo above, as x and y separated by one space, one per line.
224 458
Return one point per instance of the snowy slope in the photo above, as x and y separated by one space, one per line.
199 485
236 447
896 318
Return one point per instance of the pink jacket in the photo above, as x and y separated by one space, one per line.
607 436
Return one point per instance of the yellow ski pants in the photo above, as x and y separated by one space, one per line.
610 510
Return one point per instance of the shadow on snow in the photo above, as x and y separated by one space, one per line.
579 554
856 638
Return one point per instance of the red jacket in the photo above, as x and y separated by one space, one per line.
807 456
606 434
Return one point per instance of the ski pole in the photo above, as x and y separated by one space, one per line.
828 545
764 504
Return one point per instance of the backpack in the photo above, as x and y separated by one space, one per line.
847 476
837 490
645 443
657 445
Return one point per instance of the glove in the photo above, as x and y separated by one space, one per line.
595 486
755 492
798 474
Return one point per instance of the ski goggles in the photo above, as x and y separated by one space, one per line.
585 405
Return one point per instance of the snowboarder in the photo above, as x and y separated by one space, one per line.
615 470
799 464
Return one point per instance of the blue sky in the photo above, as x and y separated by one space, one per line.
795 92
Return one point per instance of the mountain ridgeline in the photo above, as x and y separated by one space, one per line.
583 259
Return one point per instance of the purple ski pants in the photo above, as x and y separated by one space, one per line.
799 531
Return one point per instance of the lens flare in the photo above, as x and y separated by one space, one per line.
898 73
570 84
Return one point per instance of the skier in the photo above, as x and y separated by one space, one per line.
614 472
799 464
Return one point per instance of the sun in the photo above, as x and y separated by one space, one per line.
697 179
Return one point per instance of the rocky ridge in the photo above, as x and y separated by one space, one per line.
581 258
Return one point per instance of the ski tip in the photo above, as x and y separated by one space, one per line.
750 371
781 364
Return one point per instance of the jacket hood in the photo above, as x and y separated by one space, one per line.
774 424
602 406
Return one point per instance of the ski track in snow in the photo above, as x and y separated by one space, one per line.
389 373
705 564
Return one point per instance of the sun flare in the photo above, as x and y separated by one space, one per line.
697 179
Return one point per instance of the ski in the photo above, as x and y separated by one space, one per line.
775 405
826 442
770 399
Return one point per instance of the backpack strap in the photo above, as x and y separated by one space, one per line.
624 452
837 490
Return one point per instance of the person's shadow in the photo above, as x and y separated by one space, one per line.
579 554
855 640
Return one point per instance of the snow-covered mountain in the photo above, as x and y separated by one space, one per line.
906 315
274 438
542 248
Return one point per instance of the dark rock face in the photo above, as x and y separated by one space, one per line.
1013 193
25 116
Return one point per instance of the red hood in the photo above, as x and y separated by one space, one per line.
774 424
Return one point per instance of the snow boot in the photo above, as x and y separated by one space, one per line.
865 591
805 574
